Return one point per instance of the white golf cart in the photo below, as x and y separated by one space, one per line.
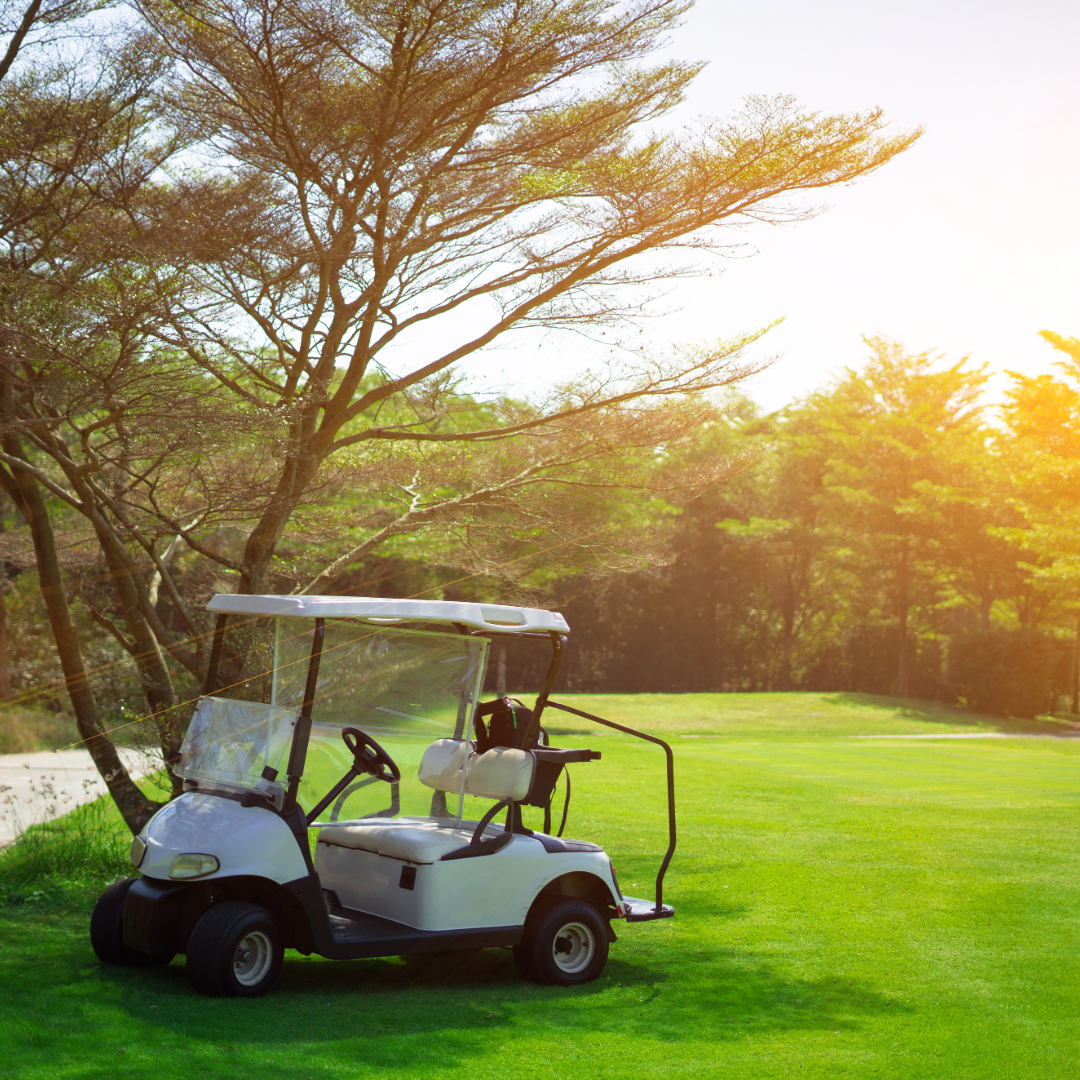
364 734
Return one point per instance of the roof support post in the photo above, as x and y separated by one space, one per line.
302 732
557 642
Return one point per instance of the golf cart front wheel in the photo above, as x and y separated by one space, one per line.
107 926
235 950
564 945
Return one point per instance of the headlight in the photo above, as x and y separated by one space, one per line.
138 851
192 866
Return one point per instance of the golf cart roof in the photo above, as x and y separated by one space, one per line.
497 618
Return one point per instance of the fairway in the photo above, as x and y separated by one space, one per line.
845 907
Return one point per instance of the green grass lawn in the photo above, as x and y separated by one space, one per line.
845 907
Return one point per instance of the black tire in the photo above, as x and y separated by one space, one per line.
107 926
565 944
235 950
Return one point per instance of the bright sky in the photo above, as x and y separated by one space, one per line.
967 244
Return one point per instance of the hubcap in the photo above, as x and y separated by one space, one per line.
252 958
573 948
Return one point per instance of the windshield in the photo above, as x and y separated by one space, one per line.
404 688
232 742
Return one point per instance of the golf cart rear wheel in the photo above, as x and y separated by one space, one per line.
235 950
565 944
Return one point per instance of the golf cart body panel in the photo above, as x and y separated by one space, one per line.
413 884
243 842
326 794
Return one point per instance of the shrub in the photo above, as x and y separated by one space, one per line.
25 730
1006 671
67 860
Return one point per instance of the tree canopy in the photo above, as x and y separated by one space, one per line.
249 249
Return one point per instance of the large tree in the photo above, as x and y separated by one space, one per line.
893 432
72 153
429 176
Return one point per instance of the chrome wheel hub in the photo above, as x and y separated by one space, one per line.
573 948
253 958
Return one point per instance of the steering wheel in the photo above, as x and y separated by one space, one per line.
369 756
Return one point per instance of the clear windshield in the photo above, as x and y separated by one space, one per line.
404 688
231 742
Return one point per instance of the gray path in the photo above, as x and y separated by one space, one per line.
36 787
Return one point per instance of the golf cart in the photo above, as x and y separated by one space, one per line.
342 801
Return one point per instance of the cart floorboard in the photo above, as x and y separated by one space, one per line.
368 936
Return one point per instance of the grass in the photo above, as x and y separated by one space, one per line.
23 731
845 907
63 863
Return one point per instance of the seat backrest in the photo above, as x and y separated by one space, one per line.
501 773
440 767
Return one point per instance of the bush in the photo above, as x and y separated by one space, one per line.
1006 671
68 860
25 730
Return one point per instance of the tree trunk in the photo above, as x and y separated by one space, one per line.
153 672
1076 669
5 666
787 635
902 607
133 805
263 539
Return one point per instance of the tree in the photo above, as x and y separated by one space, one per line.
785 522
399 166
893 430
72 145
1043 416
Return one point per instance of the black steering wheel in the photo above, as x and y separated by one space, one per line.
369 757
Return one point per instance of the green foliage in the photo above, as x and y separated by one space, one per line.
66 861
882 519
36 675
1008 671
26 730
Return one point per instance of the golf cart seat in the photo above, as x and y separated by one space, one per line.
502 773
418 842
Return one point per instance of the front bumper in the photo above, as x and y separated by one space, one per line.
158 916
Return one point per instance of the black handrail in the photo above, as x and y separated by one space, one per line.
670 786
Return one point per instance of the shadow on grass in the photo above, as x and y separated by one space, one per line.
936 712
386 1014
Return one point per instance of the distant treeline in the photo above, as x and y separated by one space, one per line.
895 536
892 534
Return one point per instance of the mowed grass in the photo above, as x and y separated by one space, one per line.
845 907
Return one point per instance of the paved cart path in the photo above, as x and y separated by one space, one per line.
35 787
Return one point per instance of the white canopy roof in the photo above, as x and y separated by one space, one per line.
494 617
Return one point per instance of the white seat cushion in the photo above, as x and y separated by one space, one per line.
501 773
440 767
414 843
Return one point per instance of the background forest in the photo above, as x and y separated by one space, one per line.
891 534
895 535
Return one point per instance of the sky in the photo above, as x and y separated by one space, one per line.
967 244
